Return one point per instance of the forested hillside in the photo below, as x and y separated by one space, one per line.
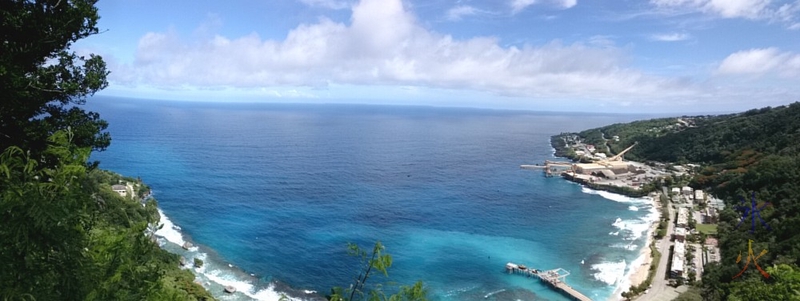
65 234
758 152
68 236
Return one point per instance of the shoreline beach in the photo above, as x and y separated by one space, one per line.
640 268
641 271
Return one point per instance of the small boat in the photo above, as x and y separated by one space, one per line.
230 289
522 267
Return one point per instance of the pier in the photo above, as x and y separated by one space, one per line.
555 278
551 167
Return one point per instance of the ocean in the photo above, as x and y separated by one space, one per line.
271 194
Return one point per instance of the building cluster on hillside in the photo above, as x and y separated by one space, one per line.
679 125
608 170
687 195
678 269
124 189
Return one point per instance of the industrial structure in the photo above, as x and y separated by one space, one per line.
611 168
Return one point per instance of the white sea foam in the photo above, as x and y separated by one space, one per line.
618 274
634 229
226 279
621 198
458 291
269 294
494 292
625 283
626 246
588 191
615 197
210 271
609 272
244 287
168 230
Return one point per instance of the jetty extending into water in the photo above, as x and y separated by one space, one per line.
552 167
555 278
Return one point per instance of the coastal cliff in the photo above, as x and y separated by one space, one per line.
753 156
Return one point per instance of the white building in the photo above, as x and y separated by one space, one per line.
716 203
683 217
680 234
121 189
699 196
678 260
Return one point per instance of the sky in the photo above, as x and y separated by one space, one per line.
627 56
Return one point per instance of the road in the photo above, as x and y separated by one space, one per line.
660 289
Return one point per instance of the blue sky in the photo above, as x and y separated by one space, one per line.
656 56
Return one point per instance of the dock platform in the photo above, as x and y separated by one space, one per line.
554 278
551 168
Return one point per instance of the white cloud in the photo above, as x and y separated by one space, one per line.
567 3
384 44
458 12
751 9
670 37
761 61
747 9
332 4
519 5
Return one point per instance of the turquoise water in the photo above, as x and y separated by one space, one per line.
272 193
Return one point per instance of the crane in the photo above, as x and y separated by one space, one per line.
617 157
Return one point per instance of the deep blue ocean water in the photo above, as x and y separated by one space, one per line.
271 194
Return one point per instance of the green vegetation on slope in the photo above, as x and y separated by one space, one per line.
755 152
66 235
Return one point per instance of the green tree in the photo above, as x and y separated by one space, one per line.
65 235
42 81
375 261
45 217
783 284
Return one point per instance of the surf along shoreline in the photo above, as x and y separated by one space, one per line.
215 273
640 268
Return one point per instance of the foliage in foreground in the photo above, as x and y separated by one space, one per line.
69 237
65 235
370 263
